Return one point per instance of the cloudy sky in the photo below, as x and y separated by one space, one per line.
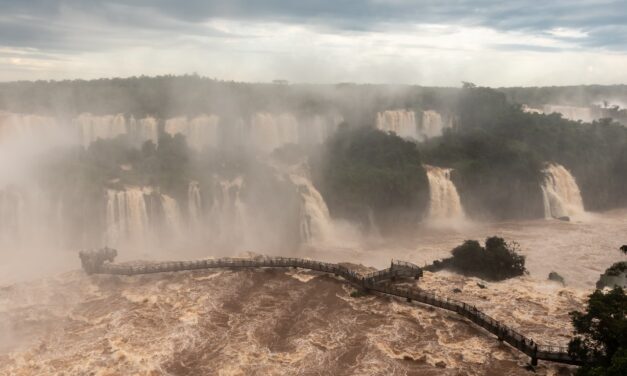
427 42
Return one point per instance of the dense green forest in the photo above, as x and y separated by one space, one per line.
363 172
169 96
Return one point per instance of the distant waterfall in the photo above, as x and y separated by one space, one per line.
560 193
433 125
405 124
194 202
401 122
27 128
268 131
12 216
172 215
142 130
127 216
200 132
445 203
315 221
316 129
91 128
228 212
28 217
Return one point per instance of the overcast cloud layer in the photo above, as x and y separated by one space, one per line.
428 42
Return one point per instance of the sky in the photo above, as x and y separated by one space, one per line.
424 42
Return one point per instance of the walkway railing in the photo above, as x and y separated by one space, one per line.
100 262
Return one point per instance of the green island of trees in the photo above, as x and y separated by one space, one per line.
497 261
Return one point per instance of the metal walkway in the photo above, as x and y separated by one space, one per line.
100 262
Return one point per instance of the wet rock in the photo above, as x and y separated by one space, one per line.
615 275
553 276
440 364
457 291
565 219
481 285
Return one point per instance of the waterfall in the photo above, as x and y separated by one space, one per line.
12 213
268 131
401 122
28 129
127 216
172 215
315 221
444 203
316 129
432 125
143 130
228 212
92 127
194 202
201 132
560 193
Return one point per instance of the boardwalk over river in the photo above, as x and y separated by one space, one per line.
100 262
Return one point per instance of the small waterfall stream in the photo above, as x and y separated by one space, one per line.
560 193
315 222
444 203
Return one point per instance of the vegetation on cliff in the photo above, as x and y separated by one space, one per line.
601 334
498 150
363 171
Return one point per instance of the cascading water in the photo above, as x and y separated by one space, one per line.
172 215
444 204
201 132
194 202
12 213
27 128
92 128
268 131
315 221
432 125
146 129
127 216
229 213
316 129
404 124
560 193
401 122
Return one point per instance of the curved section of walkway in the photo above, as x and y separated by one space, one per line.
100 262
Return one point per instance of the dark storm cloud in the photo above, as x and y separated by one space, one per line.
46 24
